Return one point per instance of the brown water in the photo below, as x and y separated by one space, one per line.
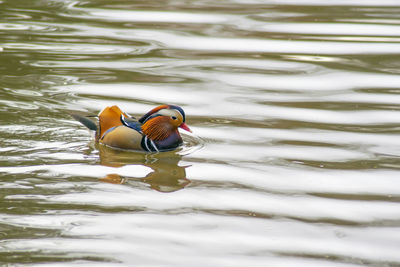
295 109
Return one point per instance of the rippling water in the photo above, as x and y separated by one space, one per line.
295 109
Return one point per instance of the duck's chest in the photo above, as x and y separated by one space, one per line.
171 142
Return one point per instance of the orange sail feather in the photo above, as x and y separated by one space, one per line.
109 117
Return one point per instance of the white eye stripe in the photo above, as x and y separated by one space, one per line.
171 113
180 113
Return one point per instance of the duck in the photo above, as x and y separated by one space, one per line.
155 131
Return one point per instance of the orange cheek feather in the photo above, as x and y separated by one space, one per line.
158 128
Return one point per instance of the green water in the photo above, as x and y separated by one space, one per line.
295 154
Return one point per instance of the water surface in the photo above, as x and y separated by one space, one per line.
294 106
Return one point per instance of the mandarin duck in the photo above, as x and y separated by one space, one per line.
155 131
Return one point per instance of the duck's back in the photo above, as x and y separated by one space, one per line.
115 131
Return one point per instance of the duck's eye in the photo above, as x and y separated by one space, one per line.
173 117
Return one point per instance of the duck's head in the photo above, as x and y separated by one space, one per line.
162 121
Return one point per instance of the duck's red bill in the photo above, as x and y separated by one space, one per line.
185 127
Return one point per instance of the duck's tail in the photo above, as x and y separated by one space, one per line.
85 121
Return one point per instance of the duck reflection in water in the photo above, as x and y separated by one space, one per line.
166 174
